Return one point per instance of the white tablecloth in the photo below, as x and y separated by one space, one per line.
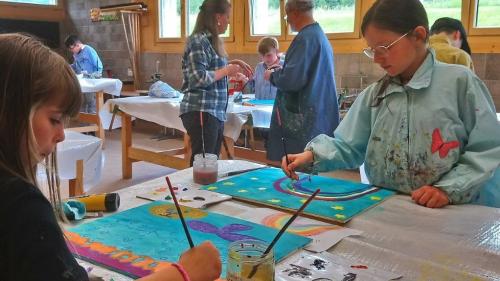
454 243
165 112
78 146
107 85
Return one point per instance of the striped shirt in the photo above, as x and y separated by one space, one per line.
201 91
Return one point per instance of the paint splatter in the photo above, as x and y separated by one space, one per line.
349 277
182 200
168 197
359 266
161 189
298 271
319 264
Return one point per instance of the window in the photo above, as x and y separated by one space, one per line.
487 14
442 8
37 2
335 16
265 17
193 10
169 15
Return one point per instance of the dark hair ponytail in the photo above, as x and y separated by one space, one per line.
450 25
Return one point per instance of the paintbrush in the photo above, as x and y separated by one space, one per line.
202 135
278 115
228 174
179 211
283 229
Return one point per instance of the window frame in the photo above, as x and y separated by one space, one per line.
57 5
184 22
286 34
11 10
471 29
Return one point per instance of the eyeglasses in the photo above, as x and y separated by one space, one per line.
381 50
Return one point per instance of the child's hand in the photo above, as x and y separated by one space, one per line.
267 74
202 263
430 197
296 160
241 77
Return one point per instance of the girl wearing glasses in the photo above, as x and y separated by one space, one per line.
426 128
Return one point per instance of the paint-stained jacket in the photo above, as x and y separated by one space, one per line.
306 95
439 129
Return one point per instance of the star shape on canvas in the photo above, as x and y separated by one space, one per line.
242 190
303 200
337 207
211 188
262 188
228 183
254 178
375 198
339 216
274 200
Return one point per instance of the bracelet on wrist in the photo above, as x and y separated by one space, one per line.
182 271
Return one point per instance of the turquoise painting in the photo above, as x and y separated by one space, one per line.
338 201
139 241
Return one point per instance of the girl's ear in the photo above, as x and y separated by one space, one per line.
456 35
420 33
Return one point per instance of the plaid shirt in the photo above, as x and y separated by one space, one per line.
201 91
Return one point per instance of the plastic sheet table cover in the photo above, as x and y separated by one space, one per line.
454 243
165 112
79 146
107 85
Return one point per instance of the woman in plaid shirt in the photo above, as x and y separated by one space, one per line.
205 68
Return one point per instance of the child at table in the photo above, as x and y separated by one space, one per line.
38 91
268 50
426 128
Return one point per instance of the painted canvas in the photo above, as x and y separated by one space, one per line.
338 201
139 241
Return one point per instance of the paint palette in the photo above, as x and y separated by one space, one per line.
338 201
194 198
139 241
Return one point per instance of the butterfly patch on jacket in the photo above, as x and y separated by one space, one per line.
439 145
